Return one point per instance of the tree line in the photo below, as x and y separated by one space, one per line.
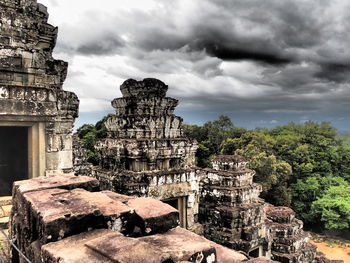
303 166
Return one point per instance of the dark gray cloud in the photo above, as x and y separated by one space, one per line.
334 72
263 57
108 45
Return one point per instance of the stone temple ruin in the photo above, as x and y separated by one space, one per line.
233 215
66 218
145 152
36 115
231 211
118 216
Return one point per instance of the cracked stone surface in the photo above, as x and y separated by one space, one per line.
59 221
31 80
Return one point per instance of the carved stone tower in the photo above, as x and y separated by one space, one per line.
145 152
230 208
36 115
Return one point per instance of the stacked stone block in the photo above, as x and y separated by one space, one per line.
145 152
66 219
230 208
80 158
289 241
31 80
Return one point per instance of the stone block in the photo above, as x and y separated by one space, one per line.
54 214
61 181
74 250
109 246
154 216
280 214
182 244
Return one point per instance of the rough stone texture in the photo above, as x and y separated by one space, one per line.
67 182
156 217
31 81
289 242
145 152
230 208
233 215
180 237
108 246
80 163
55 220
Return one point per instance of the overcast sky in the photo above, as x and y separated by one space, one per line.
263 63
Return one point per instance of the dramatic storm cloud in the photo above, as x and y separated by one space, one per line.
263 63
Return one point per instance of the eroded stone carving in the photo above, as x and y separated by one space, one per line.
31 85
233 215
65 218
230 207
145 152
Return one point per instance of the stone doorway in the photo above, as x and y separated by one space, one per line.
13 157
31 144
180 204
256 252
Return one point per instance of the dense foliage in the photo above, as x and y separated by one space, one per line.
89 134
304 166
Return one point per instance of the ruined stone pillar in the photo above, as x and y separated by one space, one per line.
31 94
146 153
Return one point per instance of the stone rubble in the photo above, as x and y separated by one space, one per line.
66 219
80 160
289 242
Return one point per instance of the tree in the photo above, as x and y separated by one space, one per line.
305 191
272 172
333 208
85 129
210 137
89 134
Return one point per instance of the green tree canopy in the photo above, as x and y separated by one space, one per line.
333 207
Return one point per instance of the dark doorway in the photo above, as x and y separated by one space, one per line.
172 202
254 252
13 157
180 204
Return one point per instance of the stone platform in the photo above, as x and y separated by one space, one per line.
67 219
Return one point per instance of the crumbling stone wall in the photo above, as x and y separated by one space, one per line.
233 215
66 219
31 83
146 153
80 158
289 241
230 208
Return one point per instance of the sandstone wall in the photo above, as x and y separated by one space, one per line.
146 153
31 82
66 219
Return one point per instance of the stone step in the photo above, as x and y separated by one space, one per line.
5 211
4 222
5 200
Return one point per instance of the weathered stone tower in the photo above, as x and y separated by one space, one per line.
230 208
233 215
36 115
289 241
145 152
